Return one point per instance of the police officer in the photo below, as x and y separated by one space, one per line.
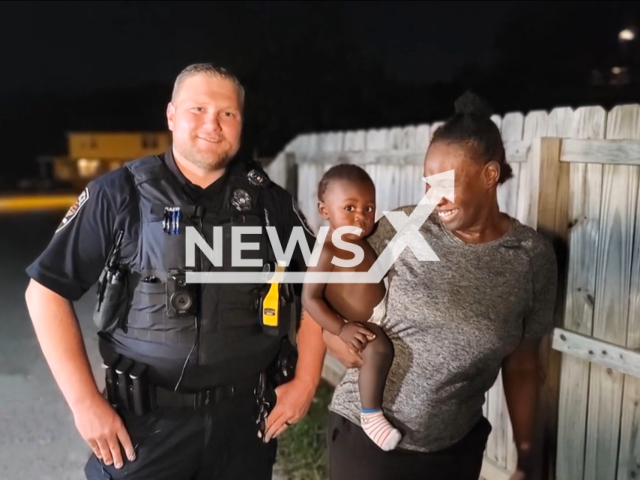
184 362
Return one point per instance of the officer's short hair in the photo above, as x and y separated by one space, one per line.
207 69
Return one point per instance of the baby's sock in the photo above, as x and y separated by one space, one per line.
378 428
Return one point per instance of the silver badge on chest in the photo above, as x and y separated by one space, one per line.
241 200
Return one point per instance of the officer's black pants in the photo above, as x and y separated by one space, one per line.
217 442
354 456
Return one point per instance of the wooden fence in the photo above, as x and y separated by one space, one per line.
576 178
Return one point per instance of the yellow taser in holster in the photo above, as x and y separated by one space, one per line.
274 302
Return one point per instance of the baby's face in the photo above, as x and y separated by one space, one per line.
348 203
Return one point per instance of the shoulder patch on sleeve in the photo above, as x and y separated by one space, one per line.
75 208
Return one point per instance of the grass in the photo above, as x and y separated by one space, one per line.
302 448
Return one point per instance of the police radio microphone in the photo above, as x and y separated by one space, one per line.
197 216
199 212
181 297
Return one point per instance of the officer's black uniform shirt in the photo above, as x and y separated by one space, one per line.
73 261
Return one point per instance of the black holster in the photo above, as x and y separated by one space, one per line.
113 291
283 368
281 371
111 310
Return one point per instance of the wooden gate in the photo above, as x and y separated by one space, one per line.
599 339
586 183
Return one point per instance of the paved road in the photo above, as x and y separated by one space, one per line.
38 439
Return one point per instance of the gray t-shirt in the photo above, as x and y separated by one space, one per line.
452 323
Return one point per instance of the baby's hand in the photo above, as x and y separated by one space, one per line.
356 336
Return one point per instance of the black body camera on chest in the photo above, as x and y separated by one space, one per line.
182 297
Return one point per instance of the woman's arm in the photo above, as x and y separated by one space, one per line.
521 380
521 371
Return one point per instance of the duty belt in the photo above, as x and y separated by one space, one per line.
169 398
127 387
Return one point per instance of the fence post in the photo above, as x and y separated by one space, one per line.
552 222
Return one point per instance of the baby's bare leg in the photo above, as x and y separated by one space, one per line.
377 358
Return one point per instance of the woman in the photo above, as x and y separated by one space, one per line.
454 323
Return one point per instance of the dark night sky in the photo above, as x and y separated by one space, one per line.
308 66
65 46
423 41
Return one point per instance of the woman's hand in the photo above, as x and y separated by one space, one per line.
341 351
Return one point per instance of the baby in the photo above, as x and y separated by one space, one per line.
347 197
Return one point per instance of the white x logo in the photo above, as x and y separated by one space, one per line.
407 227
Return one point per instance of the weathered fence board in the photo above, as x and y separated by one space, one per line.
619 152
628 117
619 194
551 219
585 195
608 355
